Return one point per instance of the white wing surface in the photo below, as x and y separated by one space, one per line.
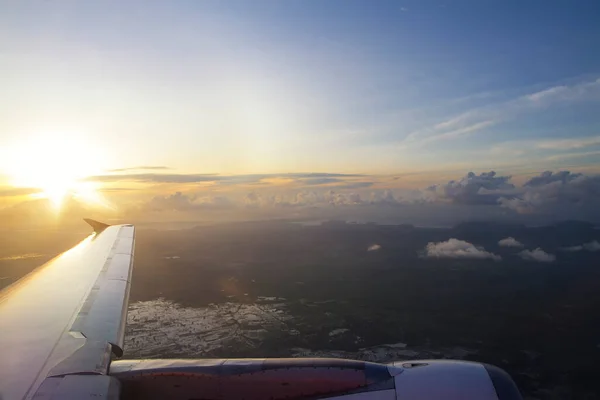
61 324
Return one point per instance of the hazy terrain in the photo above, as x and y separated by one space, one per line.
362 291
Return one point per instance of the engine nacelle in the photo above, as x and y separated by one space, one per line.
310 378
449 380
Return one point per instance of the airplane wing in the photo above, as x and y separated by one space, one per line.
61 324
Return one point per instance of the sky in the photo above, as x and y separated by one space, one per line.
270 99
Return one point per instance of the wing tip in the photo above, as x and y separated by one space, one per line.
96 225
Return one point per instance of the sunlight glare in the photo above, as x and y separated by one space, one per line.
55 164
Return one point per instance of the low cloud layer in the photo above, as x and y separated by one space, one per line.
563 193
543 199
485 188
558 195
140 168
182 202
591 246
313 178
455 248
15 192
510 242
538 255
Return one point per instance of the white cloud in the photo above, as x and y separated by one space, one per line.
547 197
182 202
566 93
374 247
462 124
568 144
480 118
383 197
538 255
455 248
566 156
571 249
510 242
460 131
550 93
484 188
560 193
594 245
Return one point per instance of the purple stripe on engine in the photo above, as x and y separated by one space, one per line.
253 379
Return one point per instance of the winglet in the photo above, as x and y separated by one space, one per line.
98 226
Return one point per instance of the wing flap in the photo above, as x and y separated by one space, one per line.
104 322
68 315
106 316
124 245
120 268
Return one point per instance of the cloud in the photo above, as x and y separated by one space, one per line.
355 185
317 177
545 151
485 188
330 197
458 121
538 255
592 246
547 197
321 181
374 247
485 116
455 248
142 167
21 257
383 197
564 93
342 196
571 248
547 93
15 191
156 178
551 195
181 202
569 144
465 130
441 132
343 199
304 199
253 200
117 189
573 155
510 242
561 193
549 177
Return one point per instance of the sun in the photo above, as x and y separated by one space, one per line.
56 191
57 165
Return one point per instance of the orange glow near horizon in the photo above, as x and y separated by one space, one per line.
55 164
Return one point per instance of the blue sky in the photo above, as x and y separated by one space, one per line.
274 87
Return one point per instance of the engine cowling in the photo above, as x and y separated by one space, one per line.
449 380
310 378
